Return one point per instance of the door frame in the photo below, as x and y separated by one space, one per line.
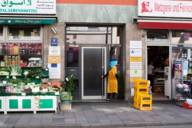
82 72
170 63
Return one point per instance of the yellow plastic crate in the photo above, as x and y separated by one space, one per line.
141 91
145 97
141 83
136 105
142 99
146 102
145 107
141 86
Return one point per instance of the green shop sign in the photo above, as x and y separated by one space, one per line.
46 21
27 6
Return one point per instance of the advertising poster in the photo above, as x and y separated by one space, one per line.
165 8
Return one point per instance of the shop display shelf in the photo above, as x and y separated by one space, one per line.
28 103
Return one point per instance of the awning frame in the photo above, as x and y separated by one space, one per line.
27 20
163 23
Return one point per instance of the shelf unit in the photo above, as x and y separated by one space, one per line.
159 81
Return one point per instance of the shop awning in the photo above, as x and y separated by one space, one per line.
27 21
165 24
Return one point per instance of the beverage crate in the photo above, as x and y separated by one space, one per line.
146 102
146 107
140 83
141 91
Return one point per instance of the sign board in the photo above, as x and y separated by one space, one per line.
135 59
136 73
54 41
54 59
24 21
54 51
27 6
165 8
54 71
136 65
135 52
135 44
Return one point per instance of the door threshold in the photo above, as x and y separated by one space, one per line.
90 101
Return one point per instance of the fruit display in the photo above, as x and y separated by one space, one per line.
21 70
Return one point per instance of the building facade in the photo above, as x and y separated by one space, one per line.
78 36
93 26
143 32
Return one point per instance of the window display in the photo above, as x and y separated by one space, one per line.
72 56
22 76
182 72
1 31
21 54
176 36
157 35
24 33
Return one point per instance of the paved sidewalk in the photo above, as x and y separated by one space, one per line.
117 114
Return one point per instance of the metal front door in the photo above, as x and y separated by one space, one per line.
93 66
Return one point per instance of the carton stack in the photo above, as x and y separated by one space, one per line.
142 98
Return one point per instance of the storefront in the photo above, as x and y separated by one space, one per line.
92 28
167 29
24 38
87 51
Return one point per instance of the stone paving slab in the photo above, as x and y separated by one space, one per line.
90 115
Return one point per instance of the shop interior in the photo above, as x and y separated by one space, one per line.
158 70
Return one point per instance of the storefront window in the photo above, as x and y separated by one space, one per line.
181 72
1 32
177 37
24 33
157 35
21 54
72 56
92 35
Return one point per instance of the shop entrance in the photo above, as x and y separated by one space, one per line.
93 66
159 72
88 51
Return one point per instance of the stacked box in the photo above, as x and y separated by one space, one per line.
142 99
145 102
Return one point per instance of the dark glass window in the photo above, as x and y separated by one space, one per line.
157 34
179 33
24 32
72 56
1 30
180 36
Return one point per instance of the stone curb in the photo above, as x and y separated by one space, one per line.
102 126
